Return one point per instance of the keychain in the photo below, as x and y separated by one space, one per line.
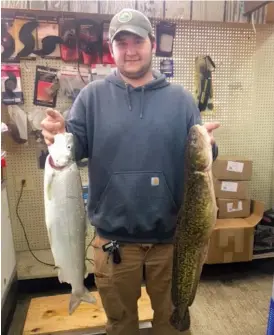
112 248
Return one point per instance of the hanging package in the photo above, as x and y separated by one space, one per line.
11 84
24 32
68 48
165 34
72 80
46 86
18 127
7 40
48 38
204 66
89 41
166 67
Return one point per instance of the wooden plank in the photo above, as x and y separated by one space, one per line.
23 4
263 256
113 7
233 12
29 268
177 10
56 14
208 11
84 6
49 315
153 8
37 5
57 5
270 14
252 6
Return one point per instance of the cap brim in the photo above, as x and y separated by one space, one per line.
131 29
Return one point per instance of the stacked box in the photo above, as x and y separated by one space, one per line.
231 177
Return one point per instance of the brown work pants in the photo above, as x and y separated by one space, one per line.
119 286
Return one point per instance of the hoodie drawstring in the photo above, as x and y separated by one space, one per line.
128 98
142 102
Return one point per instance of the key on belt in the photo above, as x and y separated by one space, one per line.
112 248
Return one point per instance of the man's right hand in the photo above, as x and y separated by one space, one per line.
53 124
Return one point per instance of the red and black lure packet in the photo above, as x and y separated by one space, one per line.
46 86
7 39
48 38
68 48
25 36
12 93
89 41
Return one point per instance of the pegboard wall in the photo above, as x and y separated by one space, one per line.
243 98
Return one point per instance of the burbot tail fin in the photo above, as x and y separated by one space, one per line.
76 298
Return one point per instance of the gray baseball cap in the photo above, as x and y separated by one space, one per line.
130 20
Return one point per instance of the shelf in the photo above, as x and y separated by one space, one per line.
29 268
265 255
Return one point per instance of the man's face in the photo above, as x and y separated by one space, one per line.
132 54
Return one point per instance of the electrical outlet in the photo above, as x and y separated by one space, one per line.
29 185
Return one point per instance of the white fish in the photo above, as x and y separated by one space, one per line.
66 217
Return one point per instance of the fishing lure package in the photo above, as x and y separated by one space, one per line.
204 66
166 67
18 127
48 39
165 34
46 86
68 48
89 41
25 35
72 80
7 39
12 93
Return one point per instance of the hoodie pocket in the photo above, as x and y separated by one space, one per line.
137 202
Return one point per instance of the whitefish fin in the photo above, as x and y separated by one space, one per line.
77 298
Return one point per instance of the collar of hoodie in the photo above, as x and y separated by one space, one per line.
158 83
129 99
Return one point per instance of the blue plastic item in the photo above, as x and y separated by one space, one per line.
270 326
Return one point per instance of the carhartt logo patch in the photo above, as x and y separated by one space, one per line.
155 181
125 17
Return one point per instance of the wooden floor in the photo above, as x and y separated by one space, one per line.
49 315
231 299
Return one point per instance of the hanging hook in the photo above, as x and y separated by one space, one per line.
26 66
252 20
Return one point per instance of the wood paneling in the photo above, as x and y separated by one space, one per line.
177 10
113 7
57 5
84 6
251 6
151 8
270 13
14 4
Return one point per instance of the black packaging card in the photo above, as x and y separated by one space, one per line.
45 81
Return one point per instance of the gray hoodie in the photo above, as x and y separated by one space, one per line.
134 139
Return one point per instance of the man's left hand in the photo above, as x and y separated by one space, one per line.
210 126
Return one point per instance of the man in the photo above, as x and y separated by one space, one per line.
132 126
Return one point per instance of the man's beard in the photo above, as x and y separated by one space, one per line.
139 74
